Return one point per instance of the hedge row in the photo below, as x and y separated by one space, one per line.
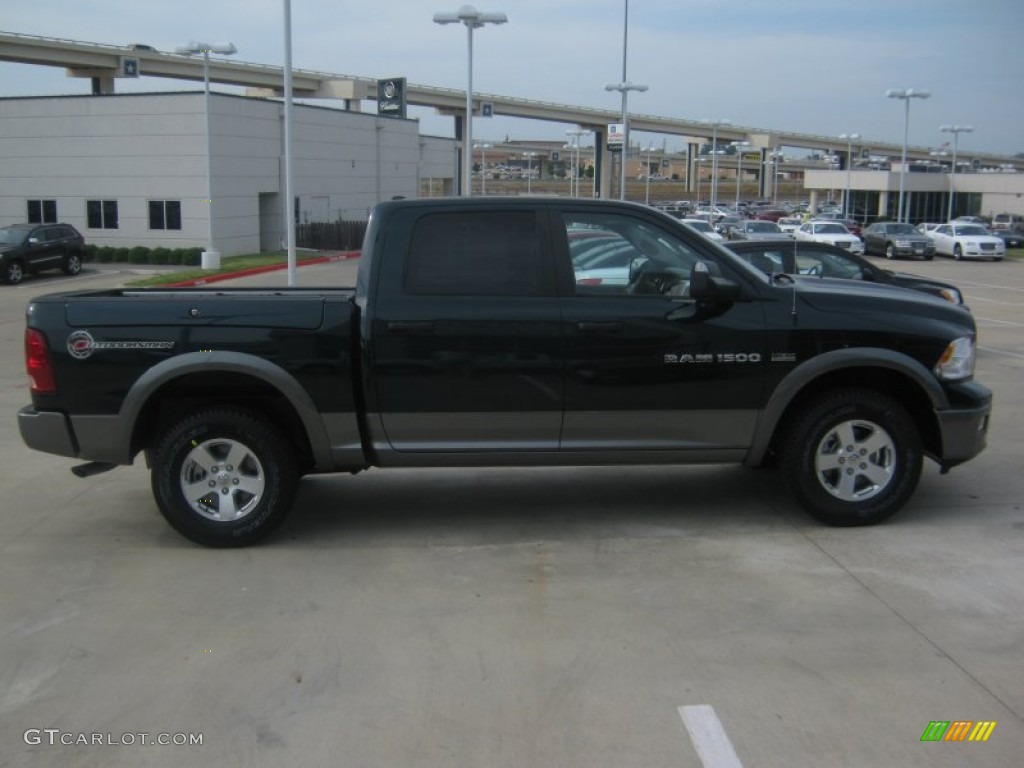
140 254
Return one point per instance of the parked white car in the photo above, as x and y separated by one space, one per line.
705 228
831 232
790 224
967 241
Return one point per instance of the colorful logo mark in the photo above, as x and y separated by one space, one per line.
958 730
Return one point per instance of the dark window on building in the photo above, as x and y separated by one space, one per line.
475 254
101 214
42 211
165 214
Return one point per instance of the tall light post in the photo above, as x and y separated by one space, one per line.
906 94
211 256
472 19
529 171
956 130
647 175
739 167
624 87
483 147
849 138
700 163
772 162
575 136
714 156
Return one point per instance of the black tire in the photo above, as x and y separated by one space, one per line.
72 264
211 501
890 251
13 272
958 254
865 481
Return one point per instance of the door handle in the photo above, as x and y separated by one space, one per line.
411 326
604 326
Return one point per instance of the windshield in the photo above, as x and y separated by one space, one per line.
902 229
700 226
13 235
831 229
762 226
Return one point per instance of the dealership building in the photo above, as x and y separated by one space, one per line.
142 169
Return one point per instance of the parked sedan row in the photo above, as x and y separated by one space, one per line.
893 239
967 241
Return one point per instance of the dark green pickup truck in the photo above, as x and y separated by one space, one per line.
499 332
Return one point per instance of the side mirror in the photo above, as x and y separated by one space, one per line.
706 282
33 241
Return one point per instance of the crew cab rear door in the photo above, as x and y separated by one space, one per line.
465 338
647 366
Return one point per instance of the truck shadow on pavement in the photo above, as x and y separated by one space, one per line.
488 505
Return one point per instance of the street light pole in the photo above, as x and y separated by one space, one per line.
483 147
739 168
647 176
576 136
714 157
956 130
211 256
849 139
472 19
624 87
906 94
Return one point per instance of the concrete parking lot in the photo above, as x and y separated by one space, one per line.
527 617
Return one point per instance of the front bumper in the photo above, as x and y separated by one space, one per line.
963 426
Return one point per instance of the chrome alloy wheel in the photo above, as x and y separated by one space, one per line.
222 480
855 460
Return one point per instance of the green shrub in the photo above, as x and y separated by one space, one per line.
120 255
104 254
192 257
174 256
138 255
89 253
159 256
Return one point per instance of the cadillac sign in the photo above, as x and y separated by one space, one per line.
391 97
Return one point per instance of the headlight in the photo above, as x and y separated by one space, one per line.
951 295
957 360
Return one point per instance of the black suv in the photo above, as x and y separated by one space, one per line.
28 248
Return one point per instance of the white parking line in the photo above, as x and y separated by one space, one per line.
709 737
998 322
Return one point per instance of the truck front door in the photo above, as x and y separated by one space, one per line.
648 367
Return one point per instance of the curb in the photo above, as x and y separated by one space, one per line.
197 282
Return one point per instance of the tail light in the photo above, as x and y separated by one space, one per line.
38 364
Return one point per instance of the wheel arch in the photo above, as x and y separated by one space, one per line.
175 387
901 377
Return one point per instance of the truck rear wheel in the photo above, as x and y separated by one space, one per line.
853 457
223 477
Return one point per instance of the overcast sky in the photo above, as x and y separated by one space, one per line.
813 66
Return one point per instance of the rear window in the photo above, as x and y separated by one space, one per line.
475 253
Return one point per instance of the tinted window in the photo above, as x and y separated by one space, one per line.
475 253
101 214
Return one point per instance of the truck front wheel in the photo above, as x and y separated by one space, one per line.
223 477
853 457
